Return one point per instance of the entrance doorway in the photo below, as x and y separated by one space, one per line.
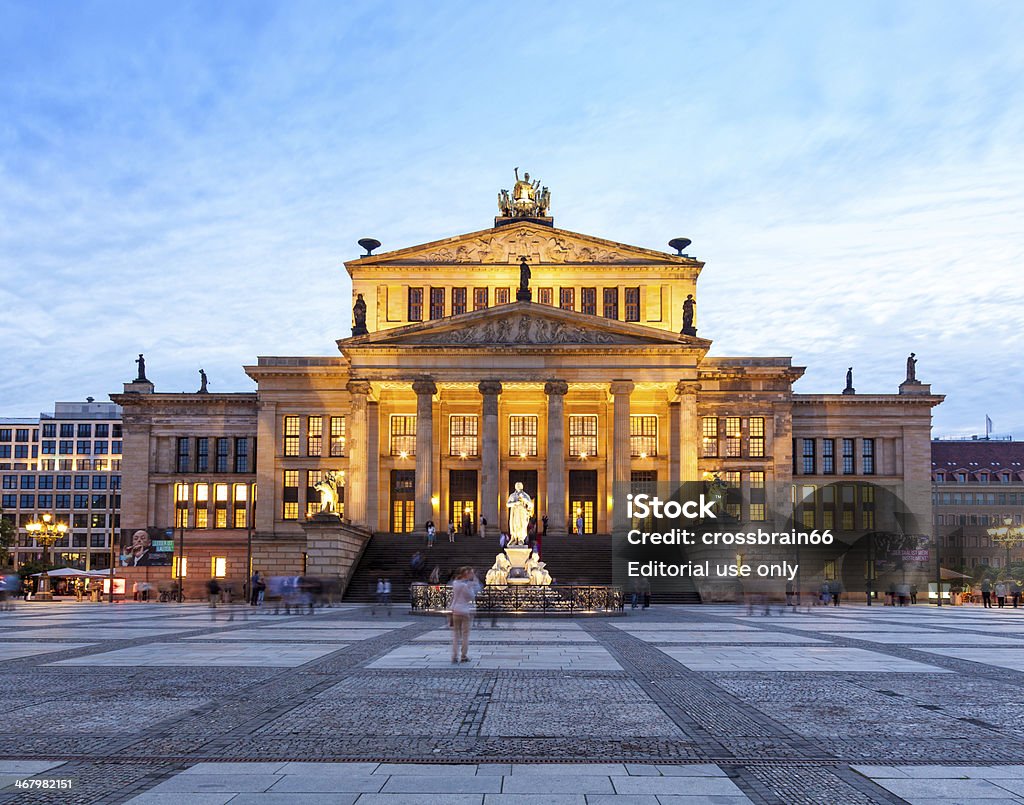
403 501
462 490
583 499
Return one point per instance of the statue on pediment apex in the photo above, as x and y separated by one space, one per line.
528 199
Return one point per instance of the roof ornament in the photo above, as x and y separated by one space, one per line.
528 199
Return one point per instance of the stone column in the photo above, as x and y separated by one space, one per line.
689 430
490 456
356 483
268 473
620 389
372 465
425 389
555 469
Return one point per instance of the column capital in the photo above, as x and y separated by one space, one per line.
621 387
425 385
556 388
358 387
489 387
685 387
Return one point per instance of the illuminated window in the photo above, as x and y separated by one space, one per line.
828 456
631 301
291 435
202 505
241 506
583 435
733 499
337 436
179 567
501 296
220 504
437 303
203 455
219 567
180 505
643 435
733 437
546 296
522 435
403 506
290 493
403 435
462 435
757 496
756 443
808 456
458 301
868 457
709 433
830 570
567 298
223 450
847 456
313 477
611 303
415 304
588 301
479 298
315 436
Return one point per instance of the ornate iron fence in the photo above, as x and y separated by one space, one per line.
567 599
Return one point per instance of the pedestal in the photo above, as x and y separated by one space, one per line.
44 593
518 555
332 546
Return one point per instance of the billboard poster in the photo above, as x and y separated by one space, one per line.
146 547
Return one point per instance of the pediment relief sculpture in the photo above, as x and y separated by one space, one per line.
504 247
521 330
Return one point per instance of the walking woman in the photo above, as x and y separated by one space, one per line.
464 591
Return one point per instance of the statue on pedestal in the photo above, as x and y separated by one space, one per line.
498 574
849 382
520 510
688 309
359 316
523 293
911 369
328 489
141 361
202 383
527 199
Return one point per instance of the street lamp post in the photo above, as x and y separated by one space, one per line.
46 533
1009 535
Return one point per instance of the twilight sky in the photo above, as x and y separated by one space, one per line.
185 179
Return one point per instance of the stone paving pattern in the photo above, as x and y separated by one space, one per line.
159 703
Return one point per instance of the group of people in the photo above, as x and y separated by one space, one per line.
1002 590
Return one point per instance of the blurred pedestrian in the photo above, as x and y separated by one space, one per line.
483 528
1001 595
464 592
213 593
451 531
986 593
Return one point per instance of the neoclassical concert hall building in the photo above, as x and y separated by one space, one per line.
517 353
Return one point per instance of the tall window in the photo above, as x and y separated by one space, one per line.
458 301
290 495
756 444
220 505
643 435
709 437
241 454
588 301
291 435
337 436
180 505
203 454
501 296
183 458
583 435
847 456
462 435
733 437
403 435
867 510
868 457
315 436
313 477
240 516
733 494
522 431
631 300
479 298
808 456
757 496
567 298
415 304
223 451
437 303
611 303
828 456
546 296
202 505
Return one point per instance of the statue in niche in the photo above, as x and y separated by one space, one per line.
688 310
912 368
359 316
202 383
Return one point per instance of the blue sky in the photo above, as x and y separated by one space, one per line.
852 172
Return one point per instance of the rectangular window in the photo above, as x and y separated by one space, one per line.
179 567
84 432
223 448
583 435
45 501
733 493
81 501
203 454
546 296
291 435
240 499
479 299
219 567
828 457
462 435
99 448
847 456
522 432
67 431
66 447
757 496
337 436
115 431
180 505
28 501
643 435
733 437
220 505
29 481
501 296
588 301
611 303
49 432
631 301
50 448
115 447
415 305
81 482
241 454
403 435
756 443
314 436
313 477
437 303
98 482
21 450
63 501
567 298
102 431
868 457
458 301
11 501
5 434
290 491
202 505
709 435
99 501
84 447
808 456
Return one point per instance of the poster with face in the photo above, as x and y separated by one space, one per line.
146 547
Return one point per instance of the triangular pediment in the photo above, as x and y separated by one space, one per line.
524 325
506 244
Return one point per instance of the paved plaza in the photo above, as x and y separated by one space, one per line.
159 703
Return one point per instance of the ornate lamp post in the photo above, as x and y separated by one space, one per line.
1009 535
46 533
